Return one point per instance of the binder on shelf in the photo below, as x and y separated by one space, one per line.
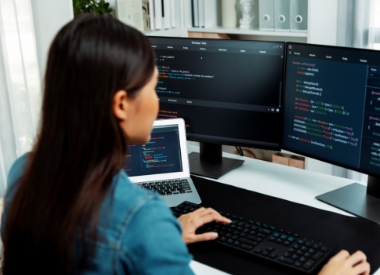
130 12
166 14
229 16
158 18
282 15
195 9
298 15
201 7
266 15
151 15
179 14
211 7
188 12
173 11
146 18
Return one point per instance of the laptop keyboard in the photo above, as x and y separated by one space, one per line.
265 241
168 187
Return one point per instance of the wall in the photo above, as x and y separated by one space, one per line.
49 16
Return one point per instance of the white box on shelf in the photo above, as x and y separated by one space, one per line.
211 7
188 12
195 9
201 11
266 15
229 16
298 15
158 22
167 14
151 15
282 15
173 10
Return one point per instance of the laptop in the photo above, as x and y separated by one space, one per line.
162 165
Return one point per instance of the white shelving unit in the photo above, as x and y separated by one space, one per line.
251 32
322 27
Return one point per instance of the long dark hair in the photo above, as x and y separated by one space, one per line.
80 147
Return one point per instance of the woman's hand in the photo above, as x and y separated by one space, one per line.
345 264
192 221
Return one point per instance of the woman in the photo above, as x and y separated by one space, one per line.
70 208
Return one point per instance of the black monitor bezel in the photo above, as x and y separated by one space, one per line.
284 107
191 137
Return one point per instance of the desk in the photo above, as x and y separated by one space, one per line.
279 181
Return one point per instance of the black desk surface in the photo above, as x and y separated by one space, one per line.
345 232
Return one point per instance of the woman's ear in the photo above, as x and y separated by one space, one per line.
120 105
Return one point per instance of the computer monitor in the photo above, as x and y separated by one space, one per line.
332 113
227 91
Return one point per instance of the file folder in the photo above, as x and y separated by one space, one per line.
282 15
298 15
266 15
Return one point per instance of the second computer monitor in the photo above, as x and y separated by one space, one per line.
227 91
332 113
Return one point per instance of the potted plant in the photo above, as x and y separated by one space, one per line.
98 7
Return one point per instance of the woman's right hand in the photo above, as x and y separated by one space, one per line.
345 264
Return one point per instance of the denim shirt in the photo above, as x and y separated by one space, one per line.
137 232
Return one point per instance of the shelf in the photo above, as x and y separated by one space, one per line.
248 32
169 32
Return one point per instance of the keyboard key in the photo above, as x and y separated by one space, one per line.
265 253
246 247
308 264
264 231
246 241
302 259
286 260
324 249
311 251
253 238
317 255
273 255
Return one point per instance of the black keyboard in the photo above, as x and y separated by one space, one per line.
266 241
168 187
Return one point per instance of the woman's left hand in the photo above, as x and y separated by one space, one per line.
192 221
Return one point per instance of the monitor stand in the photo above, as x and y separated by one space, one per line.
357 199
210 163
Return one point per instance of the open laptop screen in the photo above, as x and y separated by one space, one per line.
160 155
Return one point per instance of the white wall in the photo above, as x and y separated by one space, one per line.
49 16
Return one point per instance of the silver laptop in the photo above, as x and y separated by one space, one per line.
162 165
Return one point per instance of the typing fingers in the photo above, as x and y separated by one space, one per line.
210 215
357 257
192 221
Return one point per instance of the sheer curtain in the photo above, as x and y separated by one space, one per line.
27 28
20 89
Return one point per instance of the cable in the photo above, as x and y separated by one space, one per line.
239 150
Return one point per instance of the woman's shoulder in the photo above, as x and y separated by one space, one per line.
17 169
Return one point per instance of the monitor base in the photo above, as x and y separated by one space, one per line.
354 199
211 169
